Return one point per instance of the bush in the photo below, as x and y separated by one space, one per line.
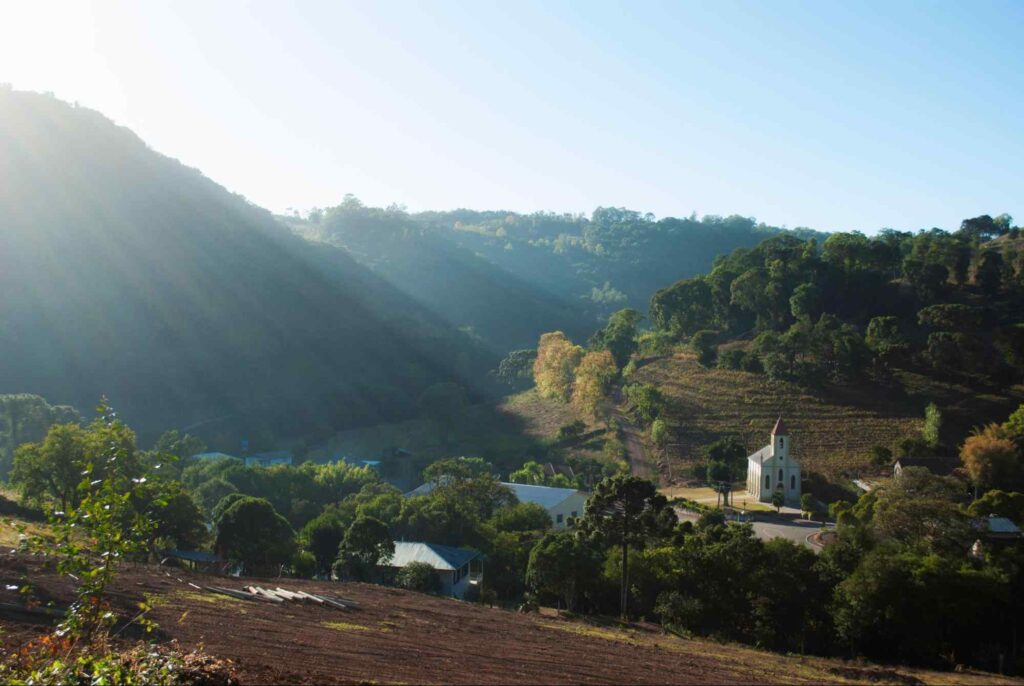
304 564
733 358
703 344
418 576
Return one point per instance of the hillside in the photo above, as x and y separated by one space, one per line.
832 432
397 636
128 275
504 310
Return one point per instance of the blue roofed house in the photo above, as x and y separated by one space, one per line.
562 504
453 565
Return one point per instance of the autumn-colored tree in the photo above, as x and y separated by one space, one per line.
990 459
594 378
553 370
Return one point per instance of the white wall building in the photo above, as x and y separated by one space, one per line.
773 468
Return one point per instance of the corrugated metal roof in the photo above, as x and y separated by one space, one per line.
1002 525
191 555
545 496
442 557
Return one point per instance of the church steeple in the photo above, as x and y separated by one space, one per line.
780 428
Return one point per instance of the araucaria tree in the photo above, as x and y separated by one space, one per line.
555 366
627 511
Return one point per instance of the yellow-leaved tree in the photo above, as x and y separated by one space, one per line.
555 366
594 378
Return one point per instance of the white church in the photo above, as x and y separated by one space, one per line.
772 468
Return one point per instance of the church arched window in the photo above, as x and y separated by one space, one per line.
767 481
792 483
782 442
781 477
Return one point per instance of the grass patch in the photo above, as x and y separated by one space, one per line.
344 626
592 631
209 598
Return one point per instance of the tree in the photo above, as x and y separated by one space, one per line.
1001 504
778 499
683 308
618 337
555 366
626 511
885 337
253 533
808 504
659 433
521 517
719 477
932 425
990 460
322 536
703 344
563 565
594 377
648 402
25 418
532 472
806 302
989 273
367 543
516 367
176 516
419 577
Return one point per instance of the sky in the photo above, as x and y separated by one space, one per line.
831 115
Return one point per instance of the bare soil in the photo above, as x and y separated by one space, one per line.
401 637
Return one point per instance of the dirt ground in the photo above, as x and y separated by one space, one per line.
396 636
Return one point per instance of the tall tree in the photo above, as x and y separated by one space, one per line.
594 378
627 511
555 366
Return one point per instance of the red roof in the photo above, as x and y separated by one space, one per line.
780 428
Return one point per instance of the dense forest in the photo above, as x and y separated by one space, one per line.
943 303
128 275
545 270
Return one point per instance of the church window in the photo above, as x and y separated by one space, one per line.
767 481
782 442
792 483
781 477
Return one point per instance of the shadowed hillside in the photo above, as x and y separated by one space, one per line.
127 274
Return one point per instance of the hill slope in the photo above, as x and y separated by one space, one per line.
127 274
397 636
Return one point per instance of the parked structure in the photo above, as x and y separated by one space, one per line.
773 468
454 566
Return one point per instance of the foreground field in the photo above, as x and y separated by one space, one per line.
401 637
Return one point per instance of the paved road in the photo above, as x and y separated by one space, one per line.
767 528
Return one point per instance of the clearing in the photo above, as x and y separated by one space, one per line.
397 636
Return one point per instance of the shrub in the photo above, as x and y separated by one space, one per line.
418 576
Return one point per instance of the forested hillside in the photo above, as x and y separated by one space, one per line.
509 277
878 327
127 274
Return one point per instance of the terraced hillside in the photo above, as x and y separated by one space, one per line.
832 432
397 636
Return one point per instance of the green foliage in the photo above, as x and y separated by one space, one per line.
251 532
704 344
932 425
521 517
647 401
659 433
626 511
571 431
26 418
516 369
367 543
619 336
565 566
419 577
1000 504
778 499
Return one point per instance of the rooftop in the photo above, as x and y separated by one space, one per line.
441 557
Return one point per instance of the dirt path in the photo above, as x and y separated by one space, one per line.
639 464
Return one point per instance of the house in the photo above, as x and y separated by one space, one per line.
773 468
196 560
453 565
562 504
213 455
269 459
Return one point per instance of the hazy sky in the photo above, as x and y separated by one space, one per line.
834 115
